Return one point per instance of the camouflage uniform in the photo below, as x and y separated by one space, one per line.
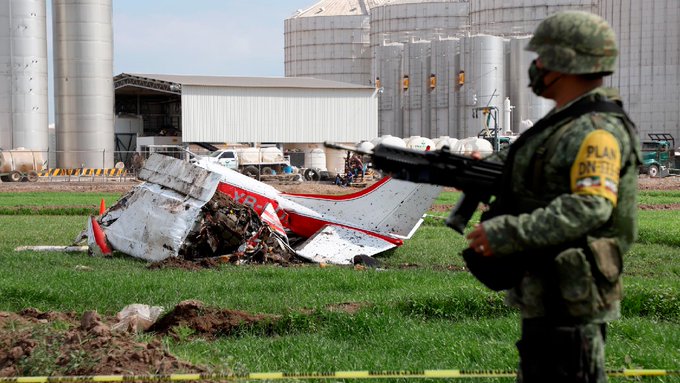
574 212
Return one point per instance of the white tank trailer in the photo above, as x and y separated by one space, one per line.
20 165
83 82
23 75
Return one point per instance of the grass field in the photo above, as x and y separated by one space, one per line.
416 312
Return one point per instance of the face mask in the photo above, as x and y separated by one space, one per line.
536 77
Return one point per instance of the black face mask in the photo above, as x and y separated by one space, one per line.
536 77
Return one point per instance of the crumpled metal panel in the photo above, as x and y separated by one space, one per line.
153 222
180 176
338 245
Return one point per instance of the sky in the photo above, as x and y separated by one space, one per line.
202 37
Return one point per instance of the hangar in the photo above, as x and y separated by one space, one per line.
175 109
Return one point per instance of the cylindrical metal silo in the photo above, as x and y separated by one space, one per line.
388 73
404 20
23 75
416 99
83 82
648 69
445 66
527 105
484 59
519 17
330 41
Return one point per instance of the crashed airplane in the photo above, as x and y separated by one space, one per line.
163 216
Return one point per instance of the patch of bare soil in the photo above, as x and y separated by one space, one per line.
68 186
665 183
207 322
185 264
33 342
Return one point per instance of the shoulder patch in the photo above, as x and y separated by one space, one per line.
596 168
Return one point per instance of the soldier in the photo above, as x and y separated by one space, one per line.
566 212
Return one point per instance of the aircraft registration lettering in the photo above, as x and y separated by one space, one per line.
597 166
254 201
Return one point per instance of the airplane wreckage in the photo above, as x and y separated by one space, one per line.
202 210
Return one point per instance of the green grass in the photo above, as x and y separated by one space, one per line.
417 312
659 197
57 199
54 203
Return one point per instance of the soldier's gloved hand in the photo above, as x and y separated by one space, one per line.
478 241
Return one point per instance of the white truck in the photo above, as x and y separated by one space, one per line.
252 161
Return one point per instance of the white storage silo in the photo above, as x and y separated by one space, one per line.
648 68
83 82
484 60
23 75
404 20
388 77
445 64
519 17
528 106
331 41
416 99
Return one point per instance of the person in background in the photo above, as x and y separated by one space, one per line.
566 212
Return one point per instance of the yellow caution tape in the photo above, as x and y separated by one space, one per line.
430 374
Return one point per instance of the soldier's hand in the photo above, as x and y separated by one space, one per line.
478 241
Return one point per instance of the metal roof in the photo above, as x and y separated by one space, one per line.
339 8
166 81
356 7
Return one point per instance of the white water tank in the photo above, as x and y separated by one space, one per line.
393 141
315 159
335 160
365 146
420 143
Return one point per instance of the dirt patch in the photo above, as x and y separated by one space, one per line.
68 186
191 318
185 264
665 206
33 342
665 183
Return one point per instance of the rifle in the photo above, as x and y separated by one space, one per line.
478 179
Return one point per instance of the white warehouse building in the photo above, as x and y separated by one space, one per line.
216 109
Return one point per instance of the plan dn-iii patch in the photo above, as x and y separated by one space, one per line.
597 166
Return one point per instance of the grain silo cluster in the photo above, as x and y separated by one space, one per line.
435 63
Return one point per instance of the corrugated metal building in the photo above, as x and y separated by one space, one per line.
249 109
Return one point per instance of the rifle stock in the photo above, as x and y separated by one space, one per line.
477 179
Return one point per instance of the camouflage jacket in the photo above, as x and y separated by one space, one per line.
588 190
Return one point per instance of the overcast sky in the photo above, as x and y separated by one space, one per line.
206 37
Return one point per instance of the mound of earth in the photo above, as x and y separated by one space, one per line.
207 322
67 345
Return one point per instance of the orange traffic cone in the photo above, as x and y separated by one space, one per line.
99 237
102 207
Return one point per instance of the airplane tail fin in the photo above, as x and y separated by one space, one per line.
389 206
